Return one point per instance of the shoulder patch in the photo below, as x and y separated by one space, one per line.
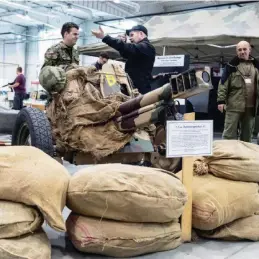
51 54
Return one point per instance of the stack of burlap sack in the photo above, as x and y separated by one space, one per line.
33 188
124 210
225 192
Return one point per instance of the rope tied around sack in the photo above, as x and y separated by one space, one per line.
200 167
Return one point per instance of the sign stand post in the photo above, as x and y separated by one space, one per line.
187 177
188 139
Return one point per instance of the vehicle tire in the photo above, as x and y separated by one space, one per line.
32 128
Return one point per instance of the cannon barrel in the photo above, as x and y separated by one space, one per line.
139 120
163 93
140 111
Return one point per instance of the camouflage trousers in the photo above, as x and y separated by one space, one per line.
239 121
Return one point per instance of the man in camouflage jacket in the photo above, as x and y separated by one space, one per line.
64 54
238 94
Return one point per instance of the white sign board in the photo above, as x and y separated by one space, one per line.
189 138
169 61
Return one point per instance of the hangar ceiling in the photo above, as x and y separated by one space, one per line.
36 12
25 14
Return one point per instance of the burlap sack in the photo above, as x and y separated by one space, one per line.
30 176
217 201
81 119
127 193
240 229
17 219
121 239
232 159
30 246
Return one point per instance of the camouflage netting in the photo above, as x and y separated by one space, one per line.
81 119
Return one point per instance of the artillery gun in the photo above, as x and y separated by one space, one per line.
136 115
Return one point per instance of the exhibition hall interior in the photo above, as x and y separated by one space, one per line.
129 129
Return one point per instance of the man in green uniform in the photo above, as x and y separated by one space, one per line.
238 94
64 54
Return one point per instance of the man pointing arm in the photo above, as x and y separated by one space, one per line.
140 55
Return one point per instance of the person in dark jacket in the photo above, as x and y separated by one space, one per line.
103 59
140 55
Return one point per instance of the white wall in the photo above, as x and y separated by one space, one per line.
33 63
11 56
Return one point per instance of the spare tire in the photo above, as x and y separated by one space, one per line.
32 128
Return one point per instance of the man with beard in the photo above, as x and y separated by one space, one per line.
238 94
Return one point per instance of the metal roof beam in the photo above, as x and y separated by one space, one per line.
24 8
32 19
4 21
101 6
36 2
8 13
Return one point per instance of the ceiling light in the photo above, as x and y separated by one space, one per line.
116 1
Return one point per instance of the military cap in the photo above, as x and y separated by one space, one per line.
52 79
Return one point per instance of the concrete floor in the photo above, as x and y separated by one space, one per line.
202 249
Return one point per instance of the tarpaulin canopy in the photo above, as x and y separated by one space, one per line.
206 35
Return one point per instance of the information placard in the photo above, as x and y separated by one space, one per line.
189 138
169 61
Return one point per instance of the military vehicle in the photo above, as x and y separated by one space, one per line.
32 126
